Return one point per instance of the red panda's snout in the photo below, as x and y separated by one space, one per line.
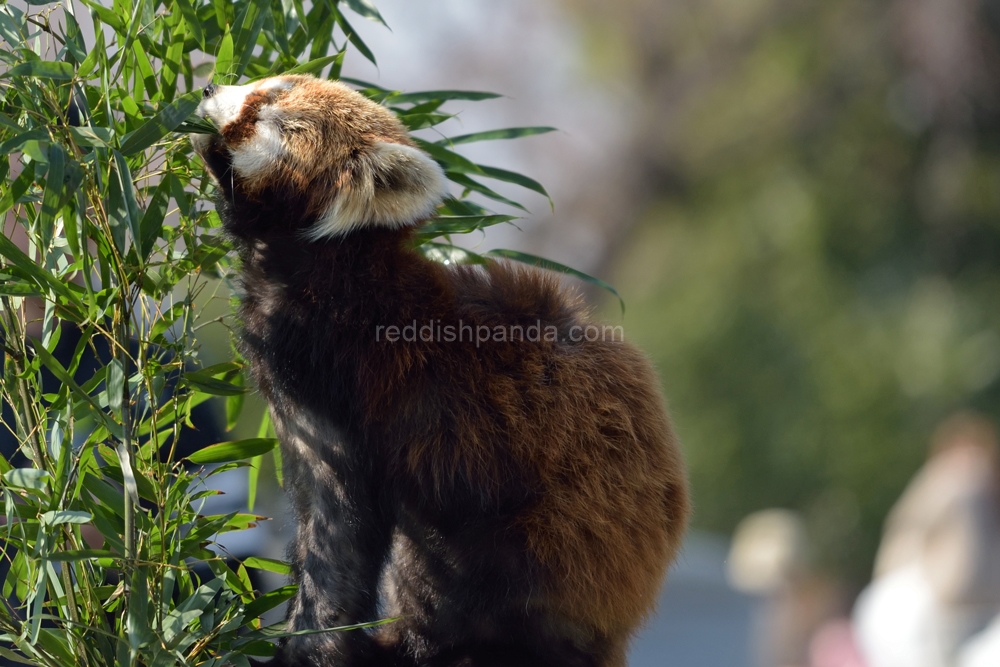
303 138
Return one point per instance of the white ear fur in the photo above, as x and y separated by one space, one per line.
395 185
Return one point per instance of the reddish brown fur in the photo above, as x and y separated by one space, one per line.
543 474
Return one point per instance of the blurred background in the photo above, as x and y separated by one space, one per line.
799 203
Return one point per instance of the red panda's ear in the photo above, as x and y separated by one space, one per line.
394 185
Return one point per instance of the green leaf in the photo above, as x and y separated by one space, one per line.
175 623
237 450
55 643
53 193
492 135
28 478
99 137
540 262
116 386
268 564
138 626
247 30
96 56
314 66
43 69
269 601
123 211
11 288
454 161
353 38
152 220
461 224
167 120
508 177
476 186
56 517
42 278
63 376
427 95
202 597
15 142
367 9
196 125
166 321
106 16
81 554
446 253
224 58
191 20
203 381
145 68
234 405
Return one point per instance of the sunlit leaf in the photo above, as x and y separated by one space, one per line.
224 452
367 9
492 135
161 124
56 517
353 37
42 69
224 58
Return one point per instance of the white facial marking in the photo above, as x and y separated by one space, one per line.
225 104
258 155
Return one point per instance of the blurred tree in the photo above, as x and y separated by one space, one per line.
816 268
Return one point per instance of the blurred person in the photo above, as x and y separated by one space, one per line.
835 645
769 558
937 573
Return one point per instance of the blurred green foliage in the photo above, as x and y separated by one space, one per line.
817 269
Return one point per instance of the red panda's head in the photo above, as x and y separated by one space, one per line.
319 150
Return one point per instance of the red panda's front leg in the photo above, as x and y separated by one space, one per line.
340 545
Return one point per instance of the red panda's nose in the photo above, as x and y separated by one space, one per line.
209 90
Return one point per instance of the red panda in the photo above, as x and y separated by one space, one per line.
514 501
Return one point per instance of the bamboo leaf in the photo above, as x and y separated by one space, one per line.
53 193
56 517
167 120
152 220
123 211
41 277
454 161
476 186
191 20
203 381
353 38
367 9
237 450
247 32
461 224
314 66
16 142
507 177
81 554
447 253
224 58
428 95
268 564
492 135
43 69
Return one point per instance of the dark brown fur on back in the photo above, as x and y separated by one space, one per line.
514 502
